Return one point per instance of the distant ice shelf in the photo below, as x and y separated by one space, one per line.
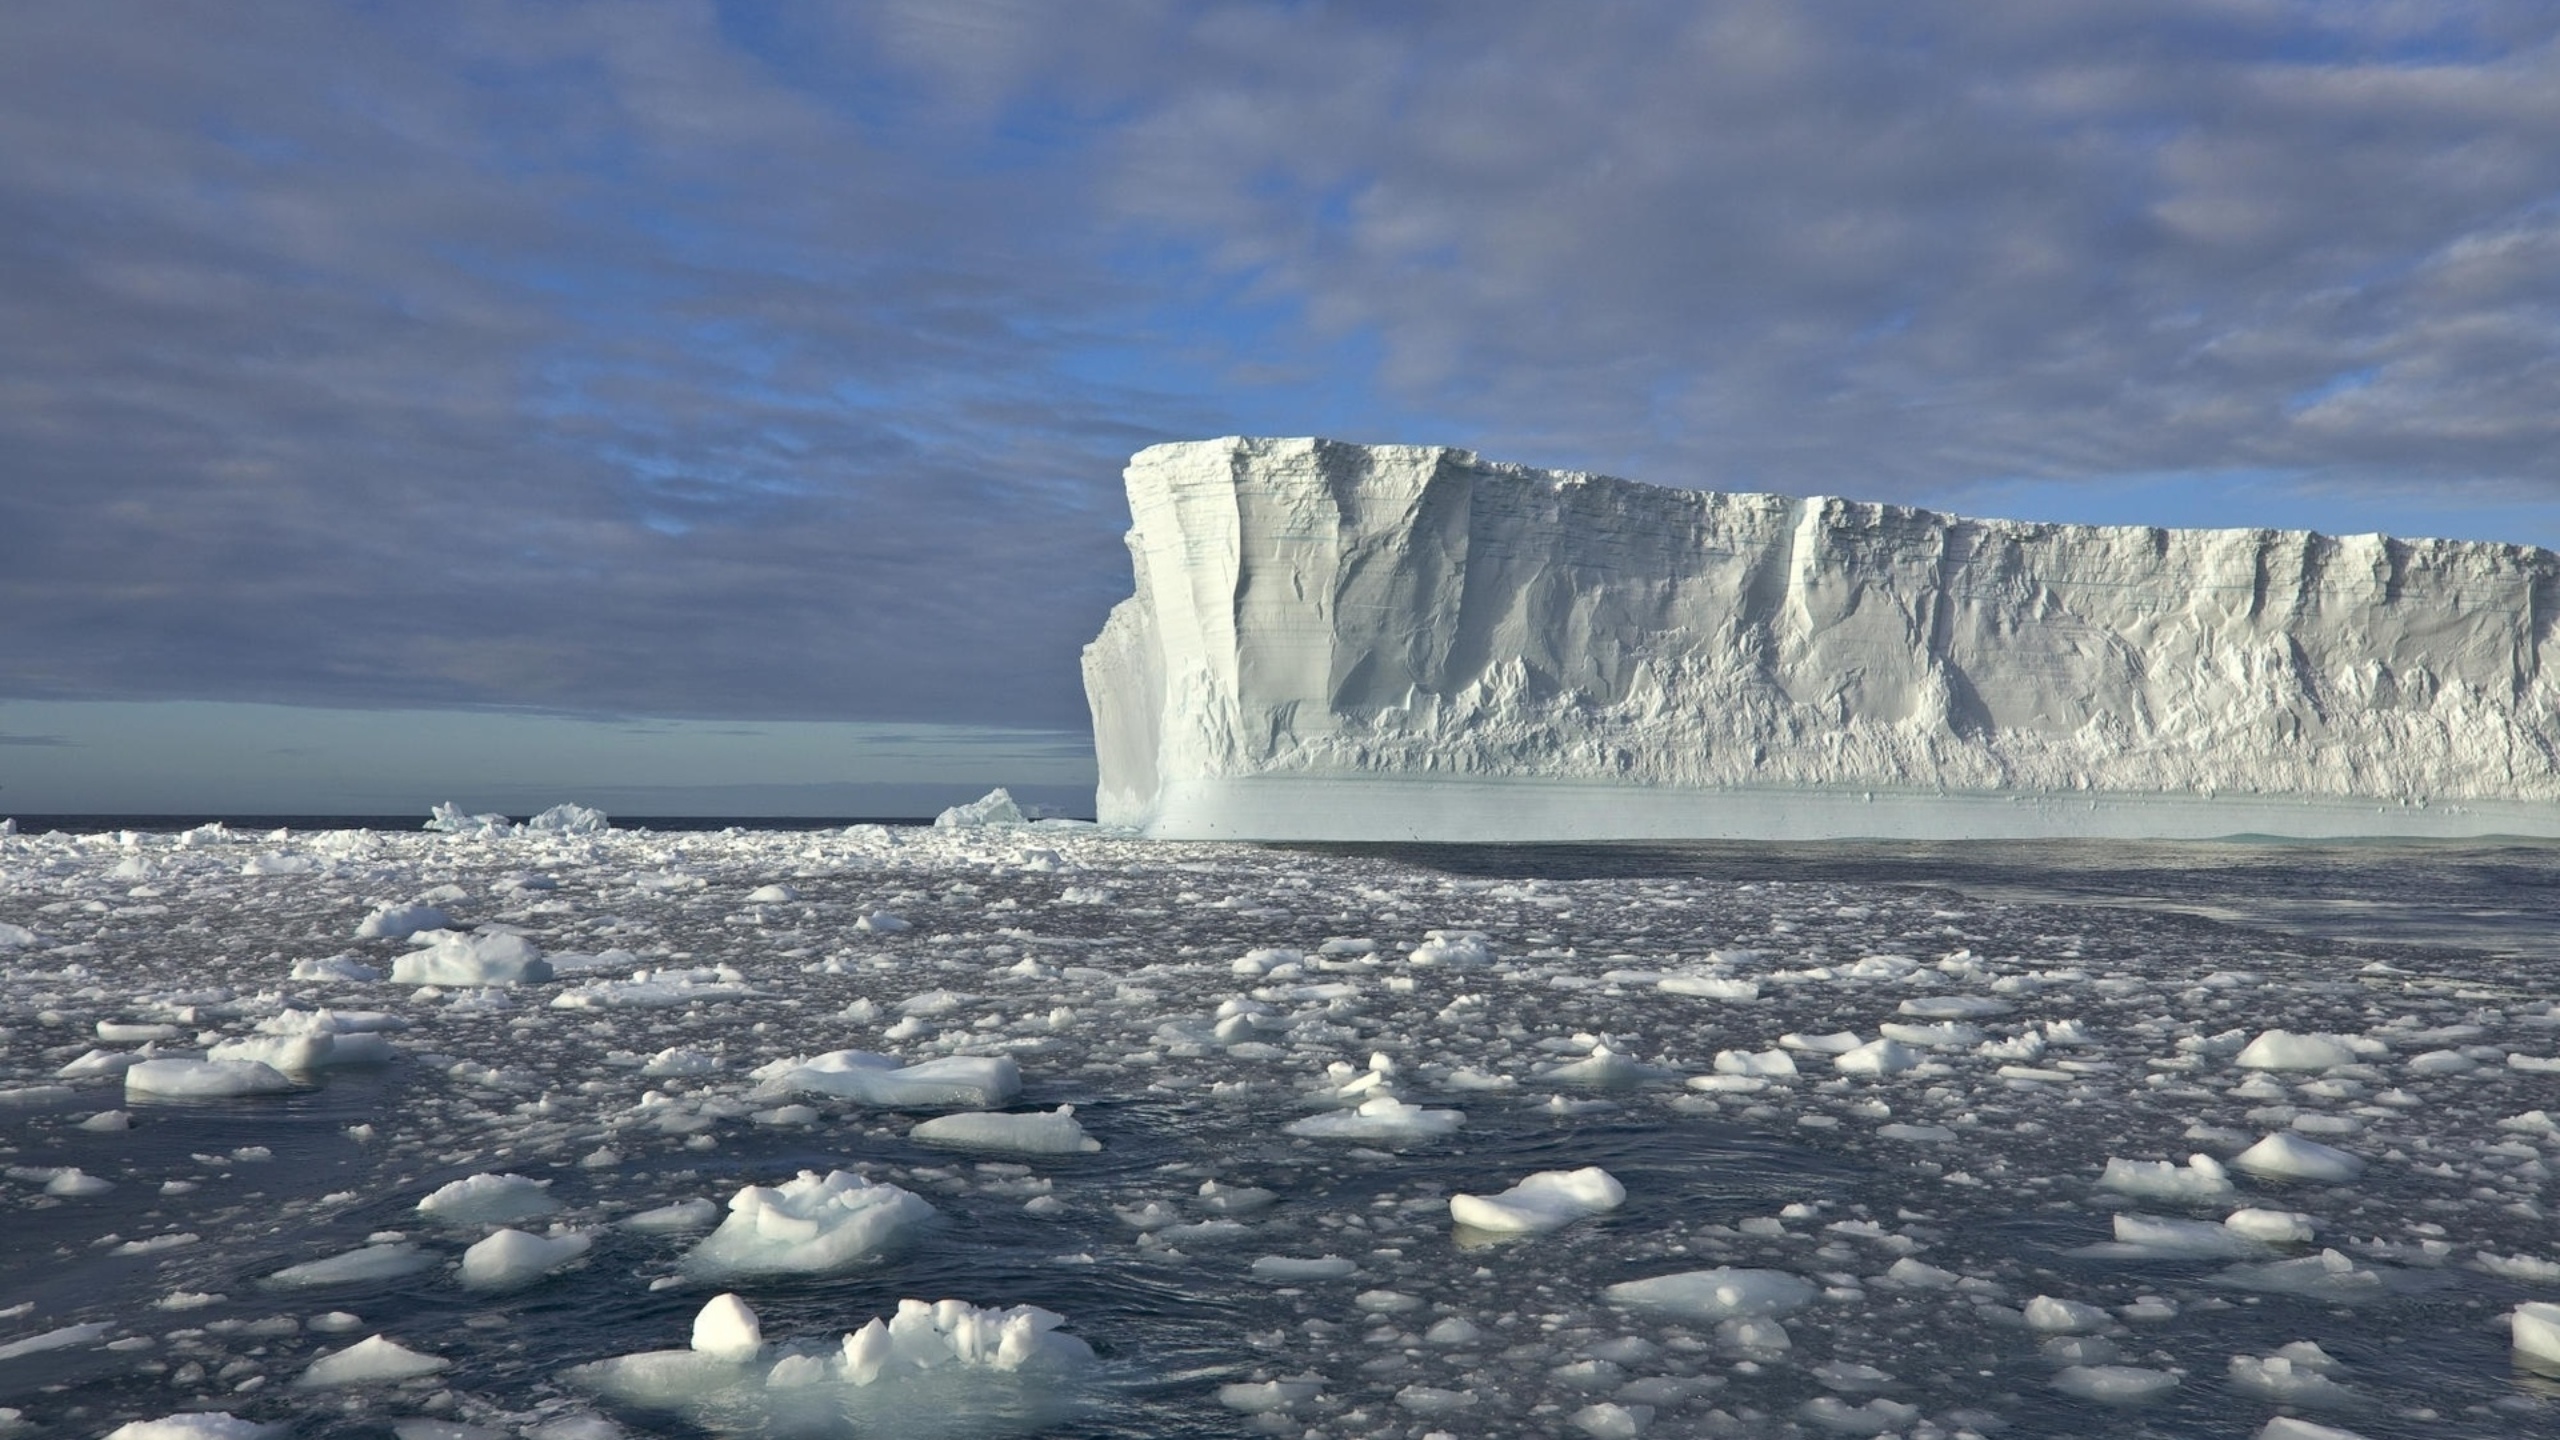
1347 642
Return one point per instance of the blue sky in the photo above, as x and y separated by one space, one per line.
757 377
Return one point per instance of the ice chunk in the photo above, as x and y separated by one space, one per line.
1459 949
1709 987
727 1329
1547 1200
399 922
2115 1384
2065 1317
773 895
1877 1057
2147 1237
195 1425
1714 1294
1053 1132
61 1338
2202 1178
373 1361
974 1081
387 1261
806 1225
510 1258
996 807
683 1215
2275 1227
1265 1396
2284 1050
203 1079
2284 1156
2534 1327
1381 1117
1285 1268
1764 1064
301 1054
2297 1374
567 819
473 960
2288 1427
489 1200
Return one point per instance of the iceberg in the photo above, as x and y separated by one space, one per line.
1345 642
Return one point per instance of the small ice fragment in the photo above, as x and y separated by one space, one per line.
692 1214
1263 1397
1460 949
1547 1200
2202 1178
489 1200
1053 1132
2535 1329
512 1257
1877 1057
2115 1384
971 1081
1954 1007
203 1079
2275 1227
2285 1156
1285 1268
1761 1064
1381 1117
2065 1317
1714 1294
772 895
2288 1427
61 1338
728 1330
373 1361
355 1267
2284 1050
806 1225
195 1425
75 1182
473 960
399 922
1608 1420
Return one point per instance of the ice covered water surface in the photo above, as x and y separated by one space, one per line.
2109 1141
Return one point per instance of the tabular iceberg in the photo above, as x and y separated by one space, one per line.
1333 641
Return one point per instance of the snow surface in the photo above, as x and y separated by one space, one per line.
2030 1217
1334 641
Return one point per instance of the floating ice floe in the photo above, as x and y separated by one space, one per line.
1457 949
1052 1132
196 1425
1380 1117
489 1200
658 990
2297 1374
932 1369
2284 1156
2201 1179
203 1079
63 1337
472 960
996 807
373 1361
976 1081
511 1258
2534 1331
399 922
300 1054
807 1225
1548 1200
2115 1384
386 1261
2284 1050
1719 1294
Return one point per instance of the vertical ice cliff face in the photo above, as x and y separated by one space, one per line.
1344 641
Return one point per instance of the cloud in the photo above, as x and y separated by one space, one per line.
771 362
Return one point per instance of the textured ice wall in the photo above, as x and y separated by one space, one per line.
1345 641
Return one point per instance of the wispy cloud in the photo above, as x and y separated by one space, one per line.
777 362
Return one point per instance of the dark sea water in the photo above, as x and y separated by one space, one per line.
2111 987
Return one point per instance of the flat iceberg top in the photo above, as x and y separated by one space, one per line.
1345 641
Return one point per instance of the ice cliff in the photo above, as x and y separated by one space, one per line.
1334 641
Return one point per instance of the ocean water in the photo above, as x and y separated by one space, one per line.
1915 1238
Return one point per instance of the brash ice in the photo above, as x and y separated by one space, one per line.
1333 641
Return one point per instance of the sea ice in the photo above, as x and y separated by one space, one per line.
975 1081
489 1200
1053 1132
203 1079
195 1425
2290 1157
388 1261
2534 1327
1381 1117
1717 1294
373 1361
810 1224
473 960
1547 1200
509 1258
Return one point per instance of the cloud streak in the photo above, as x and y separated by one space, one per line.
777 362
